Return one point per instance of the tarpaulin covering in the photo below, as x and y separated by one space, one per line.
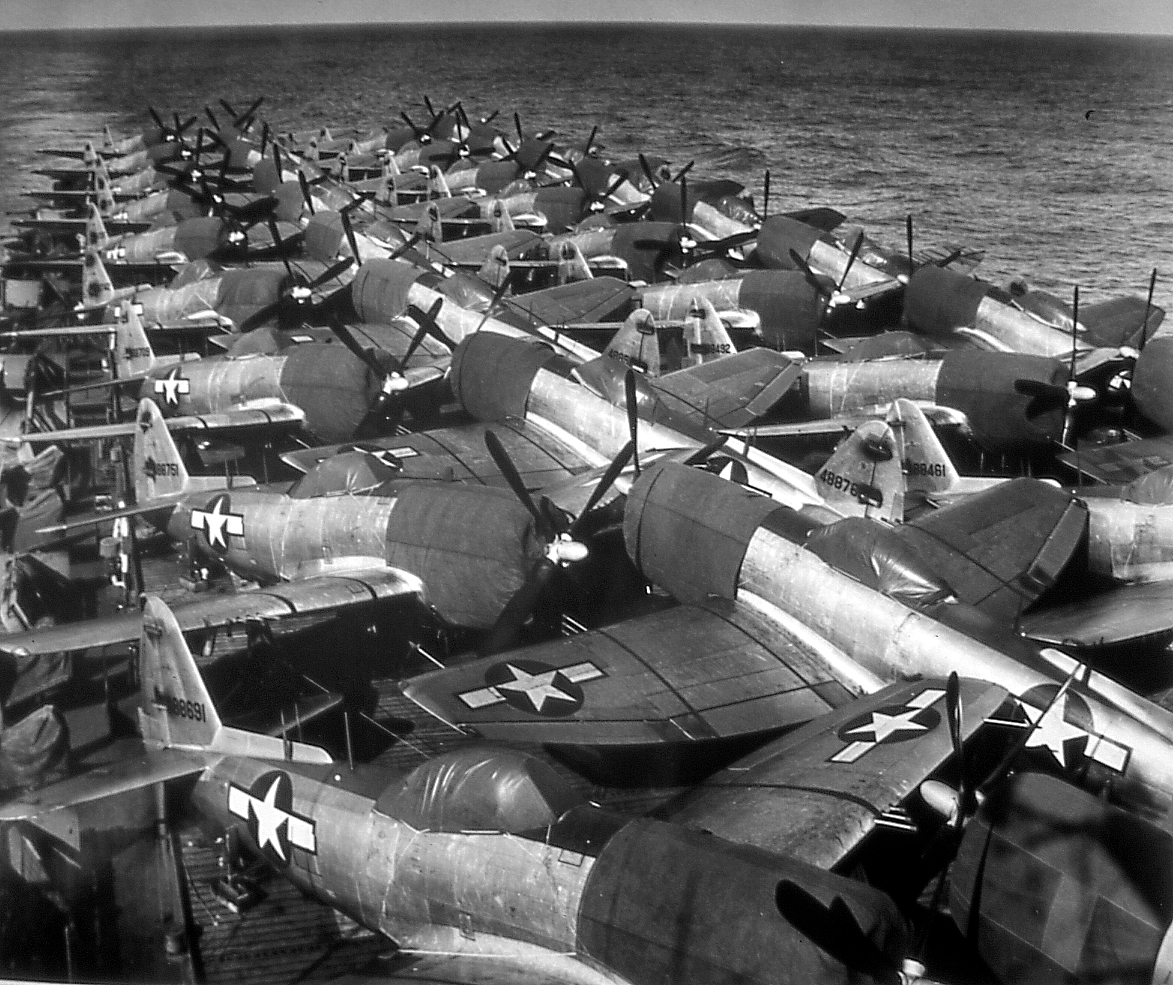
870 552
32 747
480 789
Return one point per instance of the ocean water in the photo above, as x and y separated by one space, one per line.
982 137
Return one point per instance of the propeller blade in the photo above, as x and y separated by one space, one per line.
416 340
350 237
493 303
643 163
517 610
228 108
187 123
606 480
429 318
431 110
157 118
684 170
632 415
400 250
305 191
850 261
517 124
330 274
908 233
505 464
766 196
279 244
950 258
363 354
212 117
1013 752
1148 306
248 112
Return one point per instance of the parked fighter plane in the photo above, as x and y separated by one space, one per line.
533 882
847 605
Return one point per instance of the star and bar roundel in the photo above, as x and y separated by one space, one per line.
172 386
893 723
266 807
533 687
218 522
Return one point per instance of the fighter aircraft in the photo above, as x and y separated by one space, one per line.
837 607
588 912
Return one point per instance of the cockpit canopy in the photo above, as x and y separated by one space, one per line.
480 789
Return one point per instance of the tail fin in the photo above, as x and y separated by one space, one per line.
390 166
636 343
97 290
96 236
430 227
102 191
133 354
705 336
341 168
499 217
89 153
572 265
495 270
865 476
310 151
107 138
438 184
175 709
927 466
158 466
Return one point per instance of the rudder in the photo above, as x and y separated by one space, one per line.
637 343
927 466
175 708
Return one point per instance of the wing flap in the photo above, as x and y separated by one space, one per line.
817 792
681 675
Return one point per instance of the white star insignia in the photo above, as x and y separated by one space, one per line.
269 818
172 386
537 687
1051 729
883 725
217 523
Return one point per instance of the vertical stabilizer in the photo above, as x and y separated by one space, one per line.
438 184
495 270
96 236
158 466
97 290
637 343
430 227
865 476
705 336
103 193
133 354
927 466
175 708
499 218
572 265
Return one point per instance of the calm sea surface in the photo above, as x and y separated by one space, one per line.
982 137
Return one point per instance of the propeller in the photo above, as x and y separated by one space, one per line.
766 196
300 290
305 191
551 524
429 318
388 369
834 296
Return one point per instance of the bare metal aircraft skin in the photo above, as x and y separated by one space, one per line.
482 859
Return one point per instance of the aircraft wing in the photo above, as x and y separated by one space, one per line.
61 224
598 299
460 454
682 675
1122 463
438 957
817 792
1000 549
318 595
470 253
1123 614
964 258
731 391
269 415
